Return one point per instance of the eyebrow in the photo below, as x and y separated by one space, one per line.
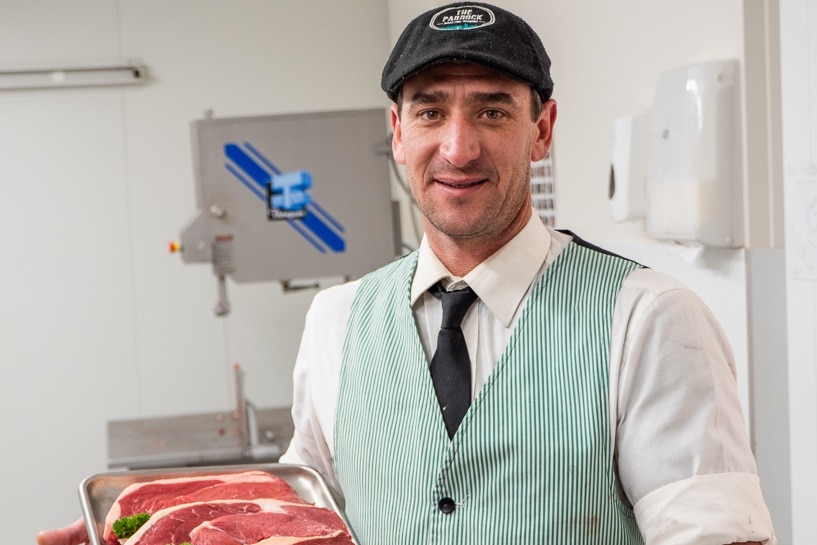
436 97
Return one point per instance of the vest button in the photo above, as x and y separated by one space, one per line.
446 505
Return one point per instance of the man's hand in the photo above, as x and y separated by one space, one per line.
75 534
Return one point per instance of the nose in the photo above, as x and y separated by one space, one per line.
460 142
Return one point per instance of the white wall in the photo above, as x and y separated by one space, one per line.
606 66
798 24
99 321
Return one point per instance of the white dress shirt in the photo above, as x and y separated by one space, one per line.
679 438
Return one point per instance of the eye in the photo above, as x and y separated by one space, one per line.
494 114
429 115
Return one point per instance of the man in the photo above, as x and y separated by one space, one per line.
603 406
599 398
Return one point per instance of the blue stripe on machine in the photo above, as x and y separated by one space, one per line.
322 231
246 163
297 225
315 207
258 155
244 181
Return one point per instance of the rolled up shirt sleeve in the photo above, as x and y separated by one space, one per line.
714 509
681 445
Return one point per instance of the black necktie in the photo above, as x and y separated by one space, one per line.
450 366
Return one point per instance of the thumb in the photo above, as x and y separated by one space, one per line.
74 534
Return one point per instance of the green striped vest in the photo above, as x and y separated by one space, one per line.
532 460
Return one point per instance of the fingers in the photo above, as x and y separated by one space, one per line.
74 534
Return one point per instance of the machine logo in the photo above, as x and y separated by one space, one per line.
286 196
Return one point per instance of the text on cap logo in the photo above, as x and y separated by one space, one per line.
462 18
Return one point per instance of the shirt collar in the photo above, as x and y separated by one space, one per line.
502 280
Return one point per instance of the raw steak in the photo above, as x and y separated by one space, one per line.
172 526
291 524
248 508
237 522
339 538
253 487
153 496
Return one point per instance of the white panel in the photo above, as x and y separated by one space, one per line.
798 46
766 289
66 321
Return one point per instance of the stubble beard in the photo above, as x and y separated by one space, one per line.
489 222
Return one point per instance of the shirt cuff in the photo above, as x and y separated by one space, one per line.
714 509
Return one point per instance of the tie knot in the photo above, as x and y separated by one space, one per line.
455 304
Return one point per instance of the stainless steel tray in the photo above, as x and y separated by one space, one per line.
98 492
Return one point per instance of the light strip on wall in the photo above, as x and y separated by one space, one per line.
86 75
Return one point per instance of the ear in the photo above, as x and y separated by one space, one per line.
397 136
544 131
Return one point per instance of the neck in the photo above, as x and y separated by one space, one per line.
462 255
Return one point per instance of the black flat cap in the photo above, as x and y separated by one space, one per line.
469 32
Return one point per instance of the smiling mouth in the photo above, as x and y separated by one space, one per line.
460 185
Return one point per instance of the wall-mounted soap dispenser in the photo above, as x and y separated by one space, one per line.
628 167
693 187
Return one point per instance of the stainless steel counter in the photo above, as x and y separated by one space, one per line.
239 437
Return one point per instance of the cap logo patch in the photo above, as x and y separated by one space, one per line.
462 18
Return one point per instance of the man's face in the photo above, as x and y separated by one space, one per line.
466 137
